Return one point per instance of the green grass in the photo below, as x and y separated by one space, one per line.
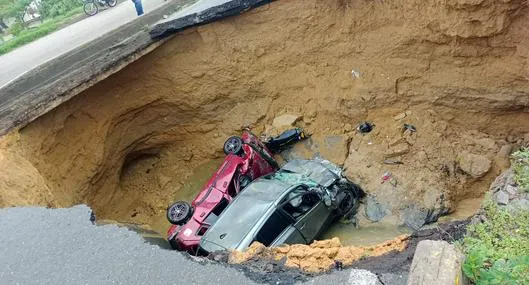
521 168
29 35
497 250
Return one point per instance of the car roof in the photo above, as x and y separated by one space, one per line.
245 211
258 198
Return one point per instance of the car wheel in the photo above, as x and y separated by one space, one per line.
233 145
179 213
350 202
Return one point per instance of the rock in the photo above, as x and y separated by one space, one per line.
286 120
502 198
436 263
511 190
197 74
413 217
506 150
374 211
474 165
397 150
334 149
328 243
399 117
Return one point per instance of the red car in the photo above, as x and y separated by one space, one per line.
247 159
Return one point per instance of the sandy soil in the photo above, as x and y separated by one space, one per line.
456 70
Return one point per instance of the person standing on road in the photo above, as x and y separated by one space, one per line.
139 7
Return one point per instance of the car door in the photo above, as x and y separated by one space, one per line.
279 229
308 211
313 222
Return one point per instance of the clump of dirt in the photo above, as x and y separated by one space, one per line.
456 70
320 256
395 256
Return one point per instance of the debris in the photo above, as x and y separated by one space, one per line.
391 161
411 128
365 127
386 177
92 217
393 181
397 150
355 74
369 142
165 16
338 265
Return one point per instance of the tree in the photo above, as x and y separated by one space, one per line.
54 8
13 8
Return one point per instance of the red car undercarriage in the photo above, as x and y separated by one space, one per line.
247 159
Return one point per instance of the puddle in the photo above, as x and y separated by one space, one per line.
365 235
189 190
465 209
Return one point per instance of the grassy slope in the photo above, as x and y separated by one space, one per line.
497 250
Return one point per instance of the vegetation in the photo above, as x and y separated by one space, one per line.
521 168
497 250
53 13
29 35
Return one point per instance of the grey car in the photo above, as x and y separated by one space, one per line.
293 205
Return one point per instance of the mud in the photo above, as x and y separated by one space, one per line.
456 70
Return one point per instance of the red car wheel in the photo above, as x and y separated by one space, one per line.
233 145
179 213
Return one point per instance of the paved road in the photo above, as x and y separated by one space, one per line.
61 246
44 49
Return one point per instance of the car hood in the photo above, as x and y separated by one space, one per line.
321 171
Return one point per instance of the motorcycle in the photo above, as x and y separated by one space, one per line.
91 7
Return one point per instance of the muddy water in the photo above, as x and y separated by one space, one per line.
465 208
189 190
364 235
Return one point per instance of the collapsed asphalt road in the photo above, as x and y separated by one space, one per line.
62 246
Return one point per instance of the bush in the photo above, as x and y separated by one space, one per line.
55 8
497 250
27 36
16 29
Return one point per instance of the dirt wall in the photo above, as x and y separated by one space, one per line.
459 67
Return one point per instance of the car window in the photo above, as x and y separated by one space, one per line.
299 202
272 228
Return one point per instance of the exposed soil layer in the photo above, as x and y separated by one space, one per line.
456 70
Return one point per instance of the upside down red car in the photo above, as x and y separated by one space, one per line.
247 158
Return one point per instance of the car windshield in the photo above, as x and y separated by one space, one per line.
245 211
